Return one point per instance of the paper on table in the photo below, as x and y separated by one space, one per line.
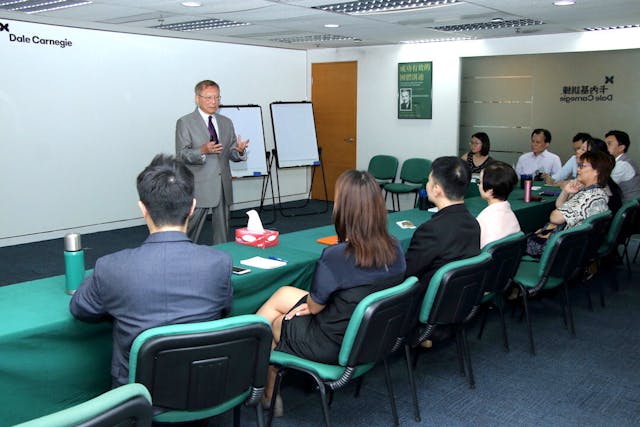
405 224
264 263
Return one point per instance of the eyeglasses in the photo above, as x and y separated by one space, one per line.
211 98
475 143
582 165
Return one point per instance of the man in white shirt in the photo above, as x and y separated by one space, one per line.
539 159
570 168
625 173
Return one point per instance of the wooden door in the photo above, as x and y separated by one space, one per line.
334 97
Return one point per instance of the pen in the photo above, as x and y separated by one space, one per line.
275 258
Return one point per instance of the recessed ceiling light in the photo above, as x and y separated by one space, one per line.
564 2
191 4
331 26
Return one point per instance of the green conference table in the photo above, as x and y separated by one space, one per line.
50 361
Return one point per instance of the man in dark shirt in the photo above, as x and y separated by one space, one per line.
452 233
167 280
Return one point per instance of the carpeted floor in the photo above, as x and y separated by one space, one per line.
592 379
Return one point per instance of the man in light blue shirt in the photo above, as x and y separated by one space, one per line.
539 159
570 168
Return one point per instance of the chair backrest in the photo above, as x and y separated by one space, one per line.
377 323
129 404
564 253
383 167
415 170
506 254
455 290
208 367
600 224
618 224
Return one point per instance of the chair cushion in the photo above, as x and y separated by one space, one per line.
322 370
528 276
399 187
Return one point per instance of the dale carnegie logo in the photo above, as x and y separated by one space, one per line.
34 39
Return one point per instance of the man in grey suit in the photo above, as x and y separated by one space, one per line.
167 280
206 141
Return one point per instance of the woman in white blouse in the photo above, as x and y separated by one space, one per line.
497 220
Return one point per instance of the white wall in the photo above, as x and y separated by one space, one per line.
379 130
77 124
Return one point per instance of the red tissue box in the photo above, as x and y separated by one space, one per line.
260 240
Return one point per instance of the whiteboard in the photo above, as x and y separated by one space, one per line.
294 133
247 122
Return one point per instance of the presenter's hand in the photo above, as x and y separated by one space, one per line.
573 187
301 310
211 148
241 145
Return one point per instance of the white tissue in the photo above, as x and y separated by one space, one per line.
255 224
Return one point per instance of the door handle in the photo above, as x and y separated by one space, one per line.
349 139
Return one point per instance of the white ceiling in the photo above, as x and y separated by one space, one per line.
295 24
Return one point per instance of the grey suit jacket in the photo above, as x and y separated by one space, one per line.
214 173
167 280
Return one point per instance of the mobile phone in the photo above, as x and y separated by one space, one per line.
240 270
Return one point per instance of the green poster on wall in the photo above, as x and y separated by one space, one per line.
414 90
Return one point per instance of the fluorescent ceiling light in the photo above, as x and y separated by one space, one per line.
191 4
617 27
319 38
331 26
516 23
444 39
381 6
564 2
204 24
37 6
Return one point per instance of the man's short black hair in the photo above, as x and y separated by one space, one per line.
582 136
621 136
165 187
547 134
453 176
499 177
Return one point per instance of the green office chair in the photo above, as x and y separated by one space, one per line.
560 262
373 333
195 371
600 224
618 232
129 404
506 254
453 298
383 168
629 228
413 174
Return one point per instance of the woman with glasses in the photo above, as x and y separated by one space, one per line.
477 157
579 199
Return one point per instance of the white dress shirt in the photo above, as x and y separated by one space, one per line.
497 221
622 171
546 161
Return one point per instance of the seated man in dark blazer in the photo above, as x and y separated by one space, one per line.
167 280
452 233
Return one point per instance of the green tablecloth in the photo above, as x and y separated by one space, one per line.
50 361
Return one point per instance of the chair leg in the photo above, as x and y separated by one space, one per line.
467 357
276 391
572 327
392 397
483 321
259 415
500 305
587 288
359 381
460 351
532 347
636 255
412 383
236 416
325 405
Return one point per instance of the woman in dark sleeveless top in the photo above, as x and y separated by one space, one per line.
477 157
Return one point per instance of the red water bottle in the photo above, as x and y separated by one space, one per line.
527 190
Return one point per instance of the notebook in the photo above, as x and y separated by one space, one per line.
329 240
